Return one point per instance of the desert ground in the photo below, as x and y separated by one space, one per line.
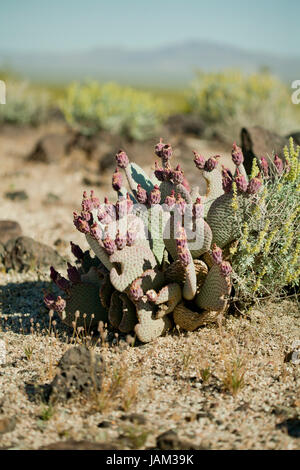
226 386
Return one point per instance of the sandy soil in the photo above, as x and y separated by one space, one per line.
222 387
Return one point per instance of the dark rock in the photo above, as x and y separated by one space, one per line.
104 425
79 371
292 426
17 195
108 160
51 148
169 440
258 142
24 253
7 425
9 229
186 124
79 445
135 418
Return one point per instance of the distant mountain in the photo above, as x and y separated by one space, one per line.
172 65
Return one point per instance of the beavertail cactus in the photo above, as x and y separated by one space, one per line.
159 247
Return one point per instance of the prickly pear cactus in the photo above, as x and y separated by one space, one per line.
158 248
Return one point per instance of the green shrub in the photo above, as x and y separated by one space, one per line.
229 100
91 107
25 105
266 258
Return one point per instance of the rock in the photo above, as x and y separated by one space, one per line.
104 425
108 160
97 146
292 426
186 124
24 254
169 440
258 142
51 199
79 445
7 425
51 148
79 371
9 229
17 195
135 418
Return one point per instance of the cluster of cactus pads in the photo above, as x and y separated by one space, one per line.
160 249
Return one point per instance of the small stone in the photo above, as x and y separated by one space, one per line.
79 371
135 418
25 254
169 440
9 229
7 425
17 195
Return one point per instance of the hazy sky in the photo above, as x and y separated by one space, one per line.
52 25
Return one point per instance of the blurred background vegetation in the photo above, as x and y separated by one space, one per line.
224 101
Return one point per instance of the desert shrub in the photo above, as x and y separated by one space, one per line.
265 259
91 107
229 100
25 104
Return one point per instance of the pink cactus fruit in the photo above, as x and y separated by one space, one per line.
184 256
109 245
198 209
96 232
135 291
225 268
159 172
217 254
199 161
181 238
226 180
141 195
180 204
122 159
264 166
237 155
211 163
170 200
177 176
117 181
155 196
120 241
278 164
254 185
80 223
159 148
241 182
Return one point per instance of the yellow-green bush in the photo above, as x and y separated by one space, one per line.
266 258
91 107
229 100
25 105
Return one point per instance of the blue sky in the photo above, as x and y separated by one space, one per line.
43 25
